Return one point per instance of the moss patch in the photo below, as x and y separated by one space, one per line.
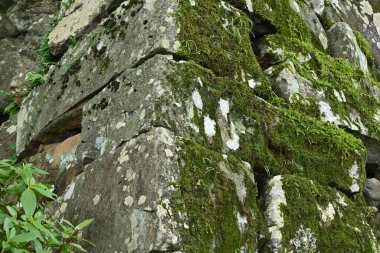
211 203
275 141
217 37
333 76
343 228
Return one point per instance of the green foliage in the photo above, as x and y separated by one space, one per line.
364 46
25 226
11 108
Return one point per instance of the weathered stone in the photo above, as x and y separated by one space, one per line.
372 192
301 231
311 20
78 19
8 63
8 131
98 59
60 161
137 209
360 16
287 83
176 119
317 5
127 107
343 44
7 28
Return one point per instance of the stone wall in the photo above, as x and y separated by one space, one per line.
201 126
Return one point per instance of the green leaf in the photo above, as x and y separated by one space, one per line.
29 202
26 174
66 248
12 211
27 237
84 224
43 190
12 233
8 223
78 247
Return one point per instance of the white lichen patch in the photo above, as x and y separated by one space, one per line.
340 96
224 108
124 157
238 179
130 175
120 125
366 8
242 221
142 200
197 99
233 143
69 192
249 5
275 220
96 199
327 114
304 240
340 199
252 84
168 153
209 126
11 129
149 5
128 201
354 174
327 214
99 141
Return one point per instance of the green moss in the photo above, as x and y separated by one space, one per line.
364 46
333 76
219 39
278 141
279 14
346 231
209 198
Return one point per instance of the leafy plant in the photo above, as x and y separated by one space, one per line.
11 108
24 224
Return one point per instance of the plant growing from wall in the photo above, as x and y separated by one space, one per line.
24 223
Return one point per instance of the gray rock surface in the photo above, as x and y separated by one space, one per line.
360 16
343 44
98 59
135 214
175 141
79 18
372 192
8 132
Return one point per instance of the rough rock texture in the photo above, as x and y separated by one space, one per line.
8 138
343 44
207 126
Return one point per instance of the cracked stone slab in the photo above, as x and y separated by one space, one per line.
134 102
128 193
77 19
360 16
85 70
343 44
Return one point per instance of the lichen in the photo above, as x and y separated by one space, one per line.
217 221
278 141
332 76
346 231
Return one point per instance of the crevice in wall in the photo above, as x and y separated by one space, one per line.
158 51
3 117
260 29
